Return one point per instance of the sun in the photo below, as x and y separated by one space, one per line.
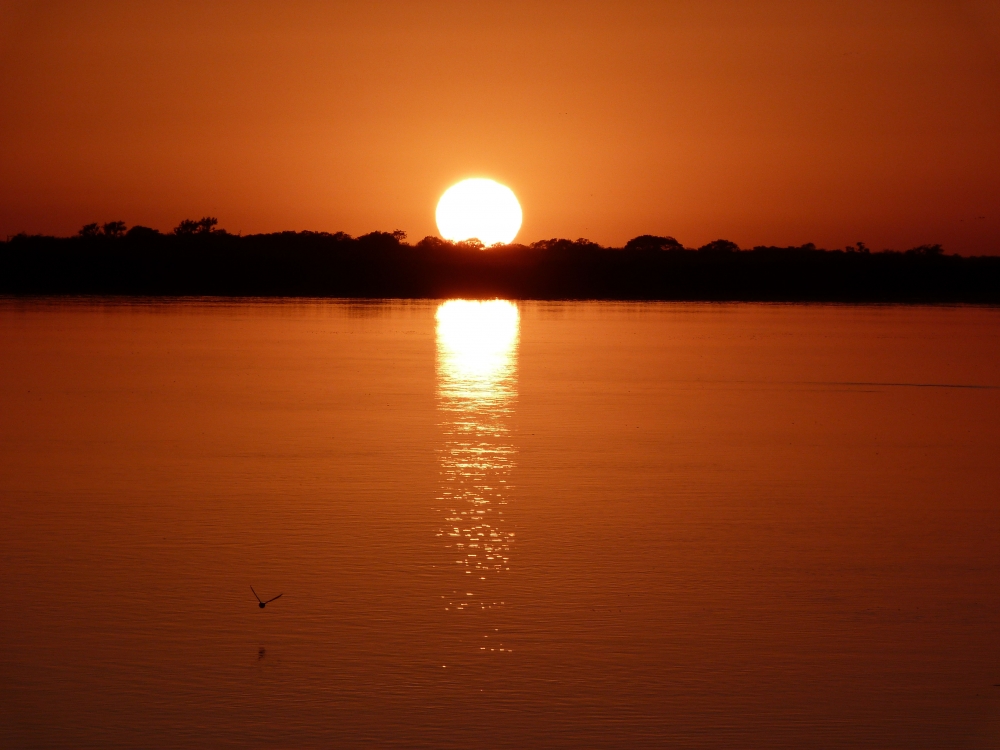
480 209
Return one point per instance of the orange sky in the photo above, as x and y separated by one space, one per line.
763 123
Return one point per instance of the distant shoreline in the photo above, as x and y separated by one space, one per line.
145 263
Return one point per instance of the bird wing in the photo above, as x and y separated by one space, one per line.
255 593
273 598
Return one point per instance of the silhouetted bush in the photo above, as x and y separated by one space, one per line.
204 225
719 246
114 229
139 232
650 242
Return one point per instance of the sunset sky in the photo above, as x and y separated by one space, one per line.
763 123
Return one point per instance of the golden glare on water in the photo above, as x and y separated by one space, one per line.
481 209
477 387
477 343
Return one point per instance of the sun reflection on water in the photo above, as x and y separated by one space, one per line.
477 351
477 388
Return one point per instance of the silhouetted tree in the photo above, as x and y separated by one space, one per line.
719 246
652 242
205 225
383 240
90 230
140 232
187 226
114 229
431 242
549 245
565 246
399 234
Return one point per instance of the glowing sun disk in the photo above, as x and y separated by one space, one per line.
479 209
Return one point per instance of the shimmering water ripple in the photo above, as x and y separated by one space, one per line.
766 526
477 393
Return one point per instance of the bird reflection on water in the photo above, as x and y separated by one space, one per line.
477 389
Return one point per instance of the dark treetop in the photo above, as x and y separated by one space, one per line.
198 259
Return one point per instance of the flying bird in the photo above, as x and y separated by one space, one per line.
263 604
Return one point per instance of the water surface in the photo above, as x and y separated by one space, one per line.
499 525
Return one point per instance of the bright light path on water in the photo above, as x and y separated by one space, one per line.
477 343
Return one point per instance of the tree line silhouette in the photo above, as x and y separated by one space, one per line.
199 258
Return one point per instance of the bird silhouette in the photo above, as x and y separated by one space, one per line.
261 603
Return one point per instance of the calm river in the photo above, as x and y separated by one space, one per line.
528 525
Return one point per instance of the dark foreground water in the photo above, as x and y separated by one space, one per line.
497 525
